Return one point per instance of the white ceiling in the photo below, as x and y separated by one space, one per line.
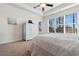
29 6
56 8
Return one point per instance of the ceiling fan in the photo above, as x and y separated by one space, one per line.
43 5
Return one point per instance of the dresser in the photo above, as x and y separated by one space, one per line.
27 31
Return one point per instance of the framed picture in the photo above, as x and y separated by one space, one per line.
12 21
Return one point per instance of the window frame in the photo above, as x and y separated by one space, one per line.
64 24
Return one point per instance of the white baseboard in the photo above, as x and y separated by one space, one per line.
3 42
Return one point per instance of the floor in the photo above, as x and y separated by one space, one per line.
20 48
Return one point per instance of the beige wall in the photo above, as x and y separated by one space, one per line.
10 33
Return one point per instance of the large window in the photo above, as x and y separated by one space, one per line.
56 25
64 24
60 24
71 23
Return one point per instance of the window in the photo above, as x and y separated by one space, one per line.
58 25
71 23
52 25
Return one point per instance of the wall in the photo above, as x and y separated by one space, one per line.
64 12
10 33
45 25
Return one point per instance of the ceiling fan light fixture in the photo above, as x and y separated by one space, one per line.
43 5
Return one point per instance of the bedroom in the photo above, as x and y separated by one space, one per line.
37 29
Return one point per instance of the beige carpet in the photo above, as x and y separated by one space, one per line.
20 48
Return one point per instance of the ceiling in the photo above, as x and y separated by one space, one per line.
40 9
30 7
56 8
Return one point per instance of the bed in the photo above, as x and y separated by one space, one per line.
49 46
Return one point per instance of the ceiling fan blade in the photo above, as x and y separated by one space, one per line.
36 6
42 9
51 5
